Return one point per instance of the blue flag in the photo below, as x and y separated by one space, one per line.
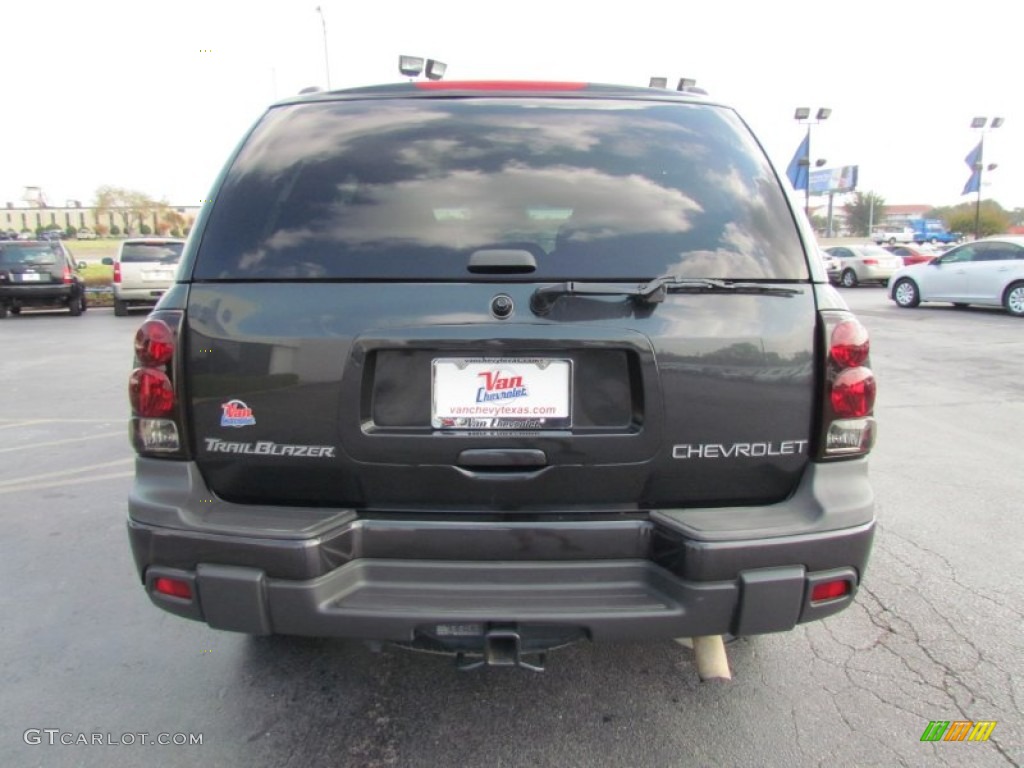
973 161
796 171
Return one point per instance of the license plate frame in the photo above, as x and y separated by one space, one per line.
502 394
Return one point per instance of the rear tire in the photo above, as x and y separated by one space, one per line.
75 306
15 310
120 308
1013 299
906 294
849 279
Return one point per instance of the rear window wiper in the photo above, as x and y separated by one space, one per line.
651 292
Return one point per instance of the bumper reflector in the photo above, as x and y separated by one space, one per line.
173 587
830 590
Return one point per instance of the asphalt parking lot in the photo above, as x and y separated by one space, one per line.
935 633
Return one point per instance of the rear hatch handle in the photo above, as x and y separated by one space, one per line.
501 261
651 292
502 459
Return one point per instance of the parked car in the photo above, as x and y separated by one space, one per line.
84 233
833 266
913 254
39 273
483 382
989 272
144 269
864 264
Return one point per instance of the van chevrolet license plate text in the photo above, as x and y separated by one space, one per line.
501 393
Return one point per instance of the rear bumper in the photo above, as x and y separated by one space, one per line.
28 295
876 273
665 573
140 294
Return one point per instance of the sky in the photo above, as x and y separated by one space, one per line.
155 96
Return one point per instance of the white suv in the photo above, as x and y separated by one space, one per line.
143 270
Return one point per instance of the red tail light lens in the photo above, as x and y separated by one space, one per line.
117 271
150 393
154 343
853 393
67 275
871 262
849 344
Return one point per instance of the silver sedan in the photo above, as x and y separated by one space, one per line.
989 272
864 264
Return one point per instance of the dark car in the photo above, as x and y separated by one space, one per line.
493 367
39 273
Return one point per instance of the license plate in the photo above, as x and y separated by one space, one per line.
501 393
31 277
157 275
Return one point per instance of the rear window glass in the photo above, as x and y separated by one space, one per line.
164 253
28 254
409 189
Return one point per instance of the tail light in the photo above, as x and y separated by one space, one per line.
871 262
848 426
117 271
67 275
156 409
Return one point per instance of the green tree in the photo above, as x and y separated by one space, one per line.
864 212
132 206
991 219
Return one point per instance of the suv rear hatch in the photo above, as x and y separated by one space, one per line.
31 264
148 265
423 303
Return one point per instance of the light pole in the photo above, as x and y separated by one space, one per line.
327 66
978 166
803 115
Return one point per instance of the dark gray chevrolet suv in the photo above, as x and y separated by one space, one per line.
492 367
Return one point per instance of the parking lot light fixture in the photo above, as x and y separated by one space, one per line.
414 66
435 69
410 66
